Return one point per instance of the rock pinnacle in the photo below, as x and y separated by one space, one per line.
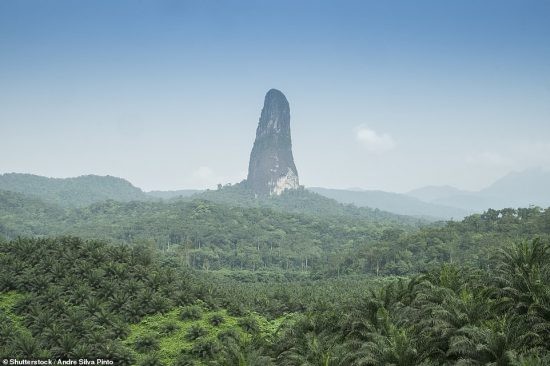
271 169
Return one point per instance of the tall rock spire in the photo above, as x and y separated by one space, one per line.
271 169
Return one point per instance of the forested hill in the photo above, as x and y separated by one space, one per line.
22 215
72 192
211 235
302 201
89 189
472 242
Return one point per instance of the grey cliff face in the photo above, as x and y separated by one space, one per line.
271 169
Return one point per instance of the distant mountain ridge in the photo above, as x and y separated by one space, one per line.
526 187
91 189
169 195
517 189
433 193
391 202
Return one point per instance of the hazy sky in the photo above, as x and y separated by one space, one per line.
388 95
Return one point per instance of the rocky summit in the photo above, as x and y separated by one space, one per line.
271 169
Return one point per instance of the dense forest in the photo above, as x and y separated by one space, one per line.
212 235
327 242
69 298
223 278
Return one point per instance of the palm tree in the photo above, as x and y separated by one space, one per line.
521 290
438 313
82 351
196 331
315 350
146 343
151 360
118 330
93 305
41 321
7 330
206 348
216 319
115 352
238 353
396 347
74 321
482 345
521 274
64 346
25 345
117 300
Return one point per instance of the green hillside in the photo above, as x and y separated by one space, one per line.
301 201
72 192
24 215
214 236
86 190
207 235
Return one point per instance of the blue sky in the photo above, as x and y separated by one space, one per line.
387 95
